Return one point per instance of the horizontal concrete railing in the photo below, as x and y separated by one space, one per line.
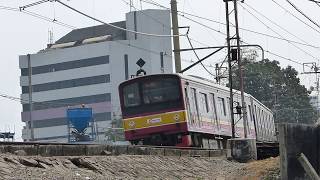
96 150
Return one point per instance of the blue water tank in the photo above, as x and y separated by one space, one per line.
80 118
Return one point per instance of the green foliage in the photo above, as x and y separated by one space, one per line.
115 133
277 88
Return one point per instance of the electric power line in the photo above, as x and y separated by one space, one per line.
72 27
275 54
282 57
278 33
184 14
283 8
38 16
199 59
314 1
302 13
276 24
156 20
114 26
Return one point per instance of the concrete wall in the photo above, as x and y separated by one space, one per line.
295 139
47 150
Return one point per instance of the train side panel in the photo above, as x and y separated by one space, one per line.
209 112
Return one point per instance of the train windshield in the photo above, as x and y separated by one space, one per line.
131 95
151 95
160 91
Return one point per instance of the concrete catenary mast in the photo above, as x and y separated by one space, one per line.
176 39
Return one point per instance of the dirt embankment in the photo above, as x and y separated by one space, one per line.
132 167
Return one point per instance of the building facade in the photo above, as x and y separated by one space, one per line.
85 67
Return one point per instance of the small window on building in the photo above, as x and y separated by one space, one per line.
126 66
161 62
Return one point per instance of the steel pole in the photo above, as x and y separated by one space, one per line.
230 70
243 103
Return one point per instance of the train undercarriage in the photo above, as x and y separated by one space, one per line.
207 141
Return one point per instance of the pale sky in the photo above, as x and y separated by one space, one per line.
22 34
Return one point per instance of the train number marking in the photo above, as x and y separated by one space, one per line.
154 121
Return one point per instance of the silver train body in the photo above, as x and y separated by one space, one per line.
208 111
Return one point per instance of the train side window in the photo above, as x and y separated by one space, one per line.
222 104
204 102
255 116
213 105
195 98
250 113
194 104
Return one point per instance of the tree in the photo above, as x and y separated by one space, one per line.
277 88
115 133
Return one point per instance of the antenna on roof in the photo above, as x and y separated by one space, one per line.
50 37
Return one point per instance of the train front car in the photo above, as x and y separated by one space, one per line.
153 110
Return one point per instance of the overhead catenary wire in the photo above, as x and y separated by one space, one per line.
114 26
314 1
156 20
37 16
283 8
181 14
33 4
199 59
270 52
281 38
185 14
40 104
282 57
130 45
279 34
276 24
302 13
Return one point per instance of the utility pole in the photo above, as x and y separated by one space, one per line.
237 58
176 39
244 109
230 69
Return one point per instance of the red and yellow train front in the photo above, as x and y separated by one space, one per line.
153 109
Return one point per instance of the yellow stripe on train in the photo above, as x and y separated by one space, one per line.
154 120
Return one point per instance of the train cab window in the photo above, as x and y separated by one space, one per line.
151 95
131 95
160 91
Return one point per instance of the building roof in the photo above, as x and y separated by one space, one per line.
95 31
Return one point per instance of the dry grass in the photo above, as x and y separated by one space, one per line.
263 169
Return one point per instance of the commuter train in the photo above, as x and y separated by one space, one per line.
182 110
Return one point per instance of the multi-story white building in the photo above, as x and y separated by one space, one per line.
85 67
